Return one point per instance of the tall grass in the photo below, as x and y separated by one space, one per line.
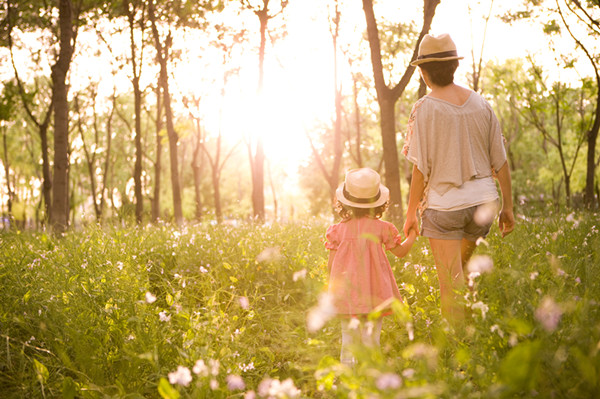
117 312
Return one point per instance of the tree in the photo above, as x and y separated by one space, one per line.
332 175
7 114
581 21
550 111
257 155
387 97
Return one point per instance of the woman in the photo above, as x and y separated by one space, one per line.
455 143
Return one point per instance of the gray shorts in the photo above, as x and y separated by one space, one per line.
454 225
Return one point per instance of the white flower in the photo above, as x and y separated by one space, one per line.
235 382
214 366
250 395
181 376
203 269
496 328
269 255
408 373
245 367
214 384
354 323
388 381
485 214
200 368
300 275
319 315
244 302
482 307
481 240
285 389
533 275
150 298
480 264
120 265
163 316
548 314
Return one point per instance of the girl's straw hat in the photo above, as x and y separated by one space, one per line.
436 48
362 189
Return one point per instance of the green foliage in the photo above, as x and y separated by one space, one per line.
122 313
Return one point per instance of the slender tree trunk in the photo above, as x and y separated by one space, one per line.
158 164
60 194
163 56
197 170
357 123
592 138
137 170
217 194
7 173
258 171
337 127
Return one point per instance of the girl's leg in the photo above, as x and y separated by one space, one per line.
448 260
370 333
346 356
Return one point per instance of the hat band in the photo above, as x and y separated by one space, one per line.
358 200
443 54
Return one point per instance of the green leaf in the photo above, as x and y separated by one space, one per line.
166 390
519 369
226 265
69 389
41 371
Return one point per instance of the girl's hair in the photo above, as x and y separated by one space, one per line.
441 73
347 212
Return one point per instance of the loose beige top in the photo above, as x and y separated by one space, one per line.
451 144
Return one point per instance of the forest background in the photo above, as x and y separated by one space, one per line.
229 110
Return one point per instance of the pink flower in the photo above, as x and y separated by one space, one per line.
235 382
548 314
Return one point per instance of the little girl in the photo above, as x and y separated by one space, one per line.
360 276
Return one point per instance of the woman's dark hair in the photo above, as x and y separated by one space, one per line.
348 212
441 73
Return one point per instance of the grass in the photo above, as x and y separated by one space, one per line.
114 312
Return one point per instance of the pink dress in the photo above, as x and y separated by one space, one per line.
361 277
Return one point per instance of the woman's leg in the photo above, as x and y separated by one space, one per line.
448 260
466 251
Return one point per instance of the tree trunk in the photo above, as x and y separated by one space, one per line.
592 138
158 163
197 170
60 193
163 56
387 98
137 170
217 195
7 173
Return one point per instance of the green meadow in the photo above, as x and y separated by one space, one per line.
221 311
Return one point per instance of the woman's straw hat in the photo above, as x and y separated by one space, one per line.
362 189
436 48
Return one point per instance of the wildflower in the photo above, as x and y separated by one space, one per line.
285 389
181 376
250 395
235 382
481 240
245 367
496 328
214 366
150 298
408 373
482 307
200 368
163 316
354 323
269 255
244 302
485 214
214 384
388 381
203 269
120 265
319 315
480 264
548 314
533 275
299 275
577 280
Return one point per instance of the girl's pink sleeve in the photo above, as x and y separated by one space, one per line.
331 236
391 236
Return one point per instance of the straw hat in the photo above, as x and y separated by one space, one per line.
362 189
436 48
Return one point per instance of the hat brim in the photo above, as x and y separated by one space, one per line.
425 60
383 198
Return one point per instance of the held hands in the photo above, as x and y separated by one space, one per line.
506 221
411 225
